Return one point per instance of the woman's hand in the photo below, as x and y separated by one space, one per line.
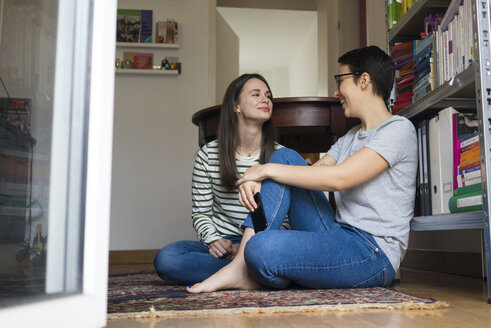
254 173
246 194
221 248
235 250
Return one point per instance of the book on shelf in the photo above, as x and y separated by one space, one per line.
467 189
466 167
465 145
402 55
134 25
470 146
128 25
469 156
466 179
143 61
146 26
466 202
471 139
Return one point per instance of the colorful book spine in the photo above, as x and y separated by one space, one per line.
467 189
146 26
466 202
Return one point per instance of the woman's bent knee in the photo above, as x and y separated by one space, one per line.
287 156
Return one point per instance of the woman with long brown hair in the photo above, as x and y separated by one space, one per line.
246 137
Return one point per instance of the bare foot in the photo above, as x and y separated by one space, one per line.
232 276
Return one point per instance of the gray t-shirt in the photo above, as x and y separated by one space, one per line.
384 205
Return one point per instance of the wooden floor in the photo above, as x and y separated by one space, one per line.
467 298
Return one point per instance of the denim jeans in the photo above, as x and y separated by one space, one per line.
187 262
318 252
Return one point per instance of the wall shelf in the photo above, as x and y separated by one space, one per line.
147 45
146 71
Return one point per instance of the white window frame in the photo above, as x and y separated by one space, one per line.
88 308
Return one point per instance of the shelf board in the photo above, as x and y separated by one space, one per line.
411 25
460 86
147 71
146 45
455 221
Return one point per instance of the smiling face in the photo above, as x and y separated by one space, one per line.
255 101
348 91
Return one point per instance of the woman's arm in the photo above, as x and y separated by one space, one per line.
202 196
363 166
326 160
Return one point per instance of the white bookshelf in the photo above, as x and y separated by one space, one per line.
147 45
133 71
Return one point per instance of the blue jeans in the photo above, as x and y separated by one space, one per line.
318 252
187 262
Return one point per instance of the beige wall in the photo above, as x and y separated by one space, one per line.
303 70
310 5
343 33
376 25
154 139
227 68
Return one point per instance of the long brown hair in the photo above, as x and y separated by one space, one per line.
228 132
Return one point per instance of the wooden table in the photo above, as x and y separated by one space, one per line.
306 124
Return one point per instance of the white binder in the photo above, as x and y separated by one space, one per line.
441 160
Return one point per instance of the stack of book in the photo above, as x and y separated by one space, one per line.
467 194
424 67
455 45
402 55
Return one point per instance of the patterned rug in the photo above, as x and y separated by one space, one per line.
145 295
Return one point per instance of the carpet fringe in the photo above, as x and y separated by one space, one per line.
152 313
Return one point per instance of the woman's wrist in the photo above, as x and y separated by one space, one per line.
267 171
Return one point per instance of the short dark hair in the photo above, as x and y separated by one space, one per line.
376 63
228 132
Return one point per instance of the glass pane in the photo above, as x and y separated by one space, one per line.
42 149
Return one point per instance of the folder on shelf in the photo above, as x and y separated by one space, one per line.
441 160
424 169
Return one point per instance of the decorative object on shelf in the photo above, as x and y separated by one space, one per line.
126 64
134 25
171 63
118 62
17 112
432 20
166 31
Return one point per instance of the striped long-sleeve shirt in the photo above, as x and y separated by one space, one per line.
217 211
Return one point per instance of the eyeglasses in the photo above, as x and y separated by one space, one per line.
337 77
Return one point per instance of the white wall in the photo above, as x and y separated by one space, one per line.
154 138
304 66
228 49
278 79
